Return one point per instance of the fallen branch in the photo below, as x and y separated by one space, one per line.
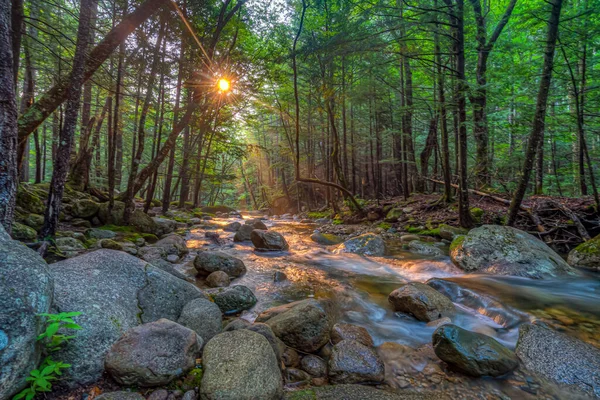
571 215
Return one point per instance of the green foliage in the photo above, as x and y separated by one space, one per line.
40 379
385 225
319 214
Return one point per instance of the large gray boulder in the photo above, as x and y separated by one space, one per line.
368 244
353 362
25 291
153 354
232 227
173 245
207 262
268 240
586 255
304 325
164 226
560 358
422 301
502 250
472 353
240 365
243 233
426 249
202 316
115 292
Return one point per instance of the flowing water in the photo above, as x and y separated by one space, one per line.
359 287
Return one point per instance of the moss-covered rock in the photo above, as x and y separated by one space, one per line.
28 200
394 214
217 208
326 239
23 232
586 255
84 208
143 222
34 221
110 244
477 214
115 217
450 232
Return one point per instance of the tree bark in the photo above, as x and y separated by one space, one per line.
61 165
540 111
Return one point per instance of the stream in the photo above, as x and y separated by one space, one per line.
359 286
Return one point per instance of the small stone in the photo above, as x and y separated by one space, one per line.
341 332
110 244
294 375
314 365
353 362
290 357
279 276
190 395
172 258
160 394
217 279
422 301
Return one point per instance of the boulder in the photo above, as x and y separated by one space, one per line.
422 301
394 214
257 224
450 232
233 299
94 233
84 208
25 291
151 253
232 227
164 226
326 239
218 208
586 255
143 222
207 262
153 354
29 200
69 246
368 244
341 332
268 240
115 292
34 221
472 353
23 232
266 331
110 244
314 365
240 365
426 249
502 250
560 358
217 279
303 325
353 362
203 317
81 223
243 234
115 217
173 245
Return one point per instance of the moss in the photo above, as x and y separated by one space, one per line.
194 378
338 221
591 247
457 242
306 394
385 225
477 214
318 214
118 228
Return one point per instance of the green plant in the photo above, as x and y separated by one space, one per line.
41 378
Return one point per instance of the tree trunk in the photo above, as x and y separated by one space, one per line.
540 111
63 153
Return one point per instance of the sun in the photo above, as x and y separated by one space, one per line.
223 85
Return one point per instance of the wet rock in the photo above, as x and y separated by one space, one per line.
240 365
23 232
353 362
203 317
341 332
153 354
560 358
164 226
25 291
233 299
232 227
586 255
426 249
257 224
368 244
314 365
279 276
502 250
217 279
450 232
121 395
243 234
114 291
84 208
173 244
268 241
439 322
472 353
290 357
409 238
422 301
326 239
207 262
303 326
110 244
